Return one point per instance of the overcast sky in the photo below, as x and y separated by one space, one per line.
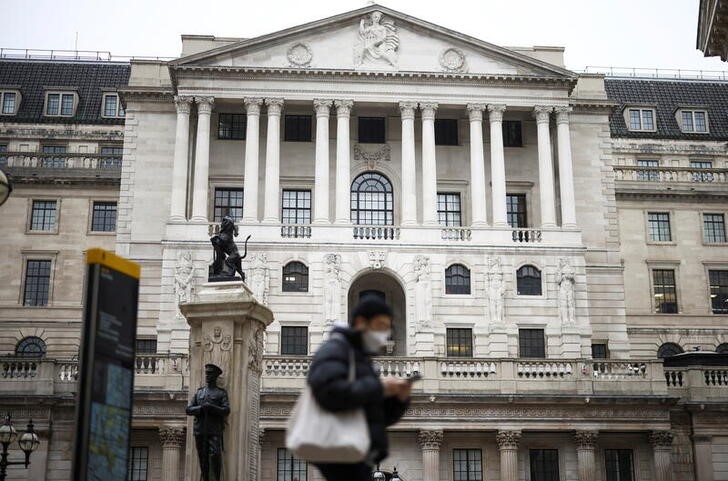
629 33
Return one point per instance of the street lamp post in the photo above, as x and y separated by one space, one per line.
28 442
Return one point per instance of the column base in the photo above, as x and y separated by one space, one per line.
479 225
323 221
342 222
248 220
549 225
501 225
569 227
271 221
177 219
198 220
408 223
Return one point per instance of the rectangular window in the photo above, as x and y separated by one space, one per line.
146 346
37 282
467 465
718 291
296 207
67 104
297 128
8 102
544 464
599 351
294 340
372 130
512 134
694 121
702 176
103 217
714 228
53 103
228 201
664 291
231 126
53 161
138 464
43 215
446 132
112 106
648 175
659 226
448 209
459 342
3 158
619 464
531 343
516 210
290 468
111 157
641 119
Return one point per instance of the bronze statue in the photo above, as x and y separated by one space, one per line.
227 258
210 407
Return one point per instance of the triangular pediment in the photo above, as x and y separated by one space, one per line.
374 38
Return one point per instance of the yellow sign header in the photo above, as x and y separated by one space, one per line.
109 259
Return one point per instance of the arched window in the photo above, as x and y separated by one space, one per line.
722 348
371 200
528 281
669 349
31 346
295 277
457 279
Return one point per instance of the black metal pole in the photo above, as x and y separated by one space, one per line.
4 462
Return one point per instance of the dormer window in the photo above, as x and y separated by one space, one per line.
641 119
693 121
9 102
111 106
60 104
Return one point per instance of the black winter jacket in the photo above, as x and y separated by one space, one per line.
328 377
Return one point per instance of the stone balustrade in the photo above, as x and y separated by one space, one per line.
691 175
527 235
55 162
698 383
376 232
456 233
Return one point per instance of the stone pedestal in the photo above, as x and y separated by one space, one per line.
703 449
226 329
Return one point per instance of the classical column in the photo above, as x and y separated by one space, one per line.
566 170
181 154
409 176
545 166
662 454
202 159
430 443
497 165
343 162
250 186
508 447
172 439
321 169
429 164
477 166
272 208
585 445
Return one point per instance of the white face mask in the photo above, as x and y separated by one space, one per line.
374 341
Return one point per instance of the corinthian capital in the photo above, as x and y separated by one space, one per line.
508 439
322 107
495 112
586 439
407 108
475 111
661 439
252 105
172 436
542 113
428 110
204 104
183 104
275 106
343 107
562 114
430 439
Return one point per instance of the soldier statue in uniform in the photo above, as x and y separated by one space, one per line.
210 407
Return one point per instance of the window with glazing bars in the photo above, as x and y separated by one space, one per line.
702 176
112 106
664 291
295 277
714 228
138 464
8 105
694 121
37 282
457 279
297 128
31 347
448 209
512 133
459 342
372 130
446 132
531 343
618 464
544 464
294 340
599 351
146 346
103 218
648 175
53 162
371 200
3 158
659 224
43 215
296 207
290 468
516 210
228 201
528 281
59 104
719 291
231 126
467 465
641 119
111 157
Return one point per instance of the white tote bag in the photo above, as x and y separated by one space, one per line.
321 436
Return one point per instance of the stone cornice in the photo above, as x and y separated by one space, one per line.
146 94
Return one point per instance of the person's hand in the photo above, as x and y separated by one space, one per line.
398 388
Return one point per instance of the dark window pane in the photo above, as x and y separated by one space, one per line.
459 342
446 132
618 464
295 277
43 215
687 121
457 279
297 128
448 209
700 123
467 465
53 104
702 176
296 207
371 200
138 464
290 468
53 162
599 351
516 210
8 106
294 340
103 218
659 225
37 282
111 157
512 135
67 104
371 130
634 120
528 281
228 201
719 291
669 349
110 103
231 126
664 291
531 343
32 346
648 175
146 346
544 464
714 228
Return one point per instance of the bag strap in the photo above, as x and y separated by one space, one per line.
352 356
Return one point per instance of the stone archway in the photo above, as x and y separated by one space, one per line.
383 284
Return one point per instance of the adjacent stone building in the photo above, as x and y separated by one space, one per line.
545 238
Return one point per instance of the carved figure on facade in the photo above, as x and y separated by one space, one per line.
183 277
423 291
496 292
260 277
227 260
299 55
453 60
372 158
217 349
378 40
255 351
566 281
376 259
332 289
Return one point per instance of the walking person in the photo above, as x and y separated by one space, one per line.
383 400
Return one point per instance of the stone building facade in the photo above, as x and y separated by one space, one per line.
502 204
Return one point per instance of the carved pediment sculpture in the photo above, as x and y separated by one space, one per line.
378 41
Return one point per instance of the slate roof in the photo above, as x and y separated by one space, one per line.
89 79
667 96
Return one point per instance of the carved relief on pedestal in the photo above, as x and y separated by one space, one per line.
567 304
255 351
260 278
217 349
184 274
453 60
378 42
496 293
376 259
423 292
508 439
332 289
299 55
